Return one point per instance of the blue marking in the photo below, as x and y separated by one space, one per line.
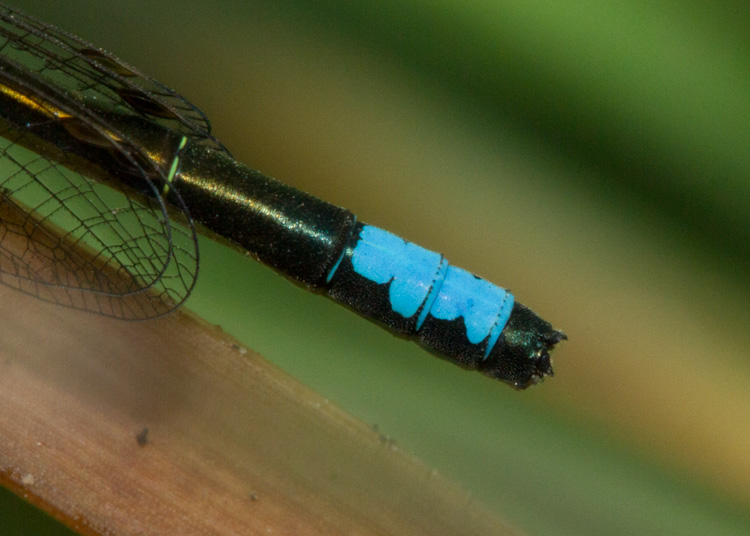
437 284
336 266
419 276
478 301
502 318
343 254
383 257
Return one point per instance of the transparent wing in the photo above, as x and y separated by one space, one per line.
78 66
66 235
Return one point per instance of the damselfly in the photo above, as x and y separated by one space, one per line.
105 173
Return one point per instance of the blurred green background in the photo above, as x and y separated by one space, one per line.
594 158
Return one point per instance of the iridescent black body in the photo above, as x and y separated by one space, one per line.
303 237
124 130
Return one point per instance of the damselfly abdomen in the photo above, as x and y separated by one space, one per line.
105 171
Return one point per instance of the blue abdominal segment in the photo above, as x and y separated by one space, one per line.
484 307
454 314
412 271
422 280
